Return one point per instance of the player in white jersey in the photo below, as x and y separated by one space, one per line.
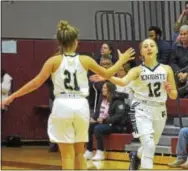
151 83
69 119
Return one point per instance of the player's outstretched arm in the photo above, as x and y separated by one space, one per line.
170 85
33 84
132 75
91 64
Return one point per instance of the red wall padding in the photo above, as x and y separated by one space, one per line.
23 66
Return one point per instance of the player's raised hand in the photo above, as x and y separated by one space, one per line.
96 78
167 86
127 55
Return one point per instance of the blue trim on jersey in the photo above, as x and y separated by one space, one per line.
151 69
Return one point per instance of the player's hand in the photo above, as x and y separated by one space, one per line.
100 120
127 55
7 101
96 78
167 86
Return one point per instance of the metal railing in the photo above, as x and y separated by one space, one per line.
156 13
133 25
115 28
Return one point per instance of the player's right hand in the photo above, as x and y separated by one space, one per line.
127 55
167 86
96 78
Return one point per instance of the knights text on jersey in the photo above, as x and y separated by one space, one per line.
70 77
150 84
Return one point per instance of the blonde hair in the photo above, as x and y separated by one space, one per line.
66 34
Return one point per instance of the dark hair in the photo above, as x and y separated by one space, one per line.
186 3
66 34
156 29
110 47
111 89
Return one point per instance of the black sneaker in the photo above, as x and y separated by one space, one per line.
134 161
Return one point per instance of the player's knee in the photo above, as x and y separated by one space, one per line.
148 141
151 145
79 155
67 156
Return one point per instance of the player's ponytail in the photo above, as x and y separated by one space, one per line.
63 25
66 34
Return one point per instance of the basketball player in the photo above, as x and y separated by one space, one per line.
151 83
69 119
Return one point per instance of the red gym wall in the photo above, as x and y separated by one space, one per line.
23 66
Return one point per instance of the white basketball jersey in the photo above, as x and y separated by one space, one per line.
70 77
150 84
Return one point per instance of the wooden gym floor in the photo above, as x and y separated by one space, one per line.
35 158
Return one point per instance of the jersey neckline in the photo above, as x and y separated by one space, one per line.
151 69
70 55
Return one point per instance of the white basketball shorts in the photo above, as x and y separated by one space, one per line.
69 120
148 118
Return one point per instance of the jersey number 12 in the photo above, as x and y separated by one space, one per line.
67 81
154 89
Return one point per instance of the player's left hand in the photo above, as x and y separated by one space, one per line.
7 101
167 86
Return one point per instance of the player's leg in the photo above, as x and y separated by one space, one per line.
80 161
134 160
148 151
81 126
159 122
150 140
61 130
143 129
67 155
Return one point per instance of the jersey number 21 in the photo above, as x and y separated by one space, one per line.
67 81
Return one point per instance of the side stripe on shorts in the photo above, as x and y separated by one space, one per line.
132 117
